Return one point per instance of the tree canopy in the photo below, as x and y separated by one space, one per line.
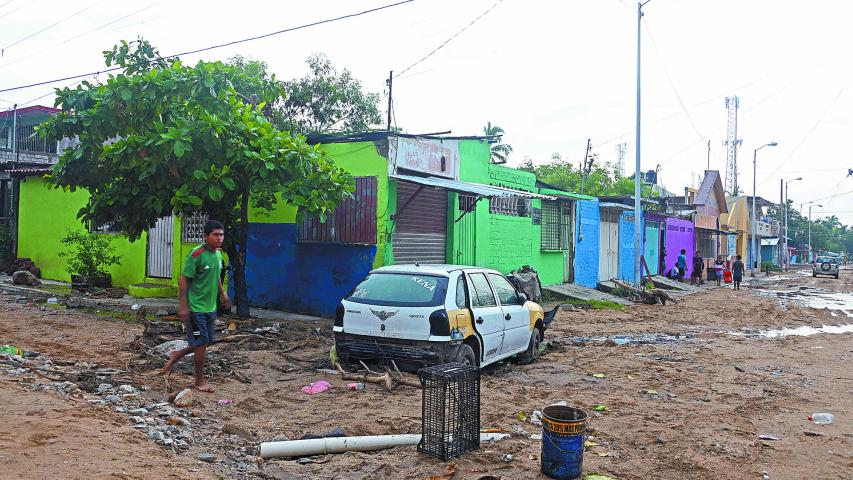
499 151
828 233
163 138
326 101
600 179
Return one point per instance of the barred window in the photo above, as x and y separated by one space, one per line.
512 206
706 242
192 230
352 223
28 140
467 203
553 227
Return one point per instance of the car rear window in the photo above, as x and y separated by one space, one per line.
826 259
405 290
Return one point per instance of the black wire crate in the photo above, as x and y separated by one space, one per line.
450 421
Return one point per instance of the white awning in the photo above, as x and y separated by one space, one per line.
478 189
770 241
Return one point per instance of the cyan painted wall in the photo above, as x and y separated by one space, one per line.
586 243
626 246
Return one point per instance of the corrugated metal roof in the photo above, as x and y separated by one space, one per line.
479 189
614 205
28 172
770 241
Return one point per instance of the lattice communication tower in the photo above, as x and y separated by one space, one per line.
732 143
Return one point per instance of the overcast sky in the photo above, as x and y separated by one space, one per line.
551 73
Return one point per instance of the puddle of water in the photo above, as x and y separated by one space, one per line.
803 331
635 339
814 298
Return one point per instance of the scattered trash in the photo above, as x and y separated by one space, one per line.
316 387
355 386
508 457
599 375
600 408
224 402
166 348
536 436
52 301
493 430
520 431
589 444
536 418
561 403
595 476
603 454
650 392
768 437
306 448
133 307
822 418
521 415
184 398
630 377
328 371
447 474
11 350
812 433
232 327
765 476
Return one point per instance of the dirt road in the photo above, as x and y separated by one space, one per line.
688 388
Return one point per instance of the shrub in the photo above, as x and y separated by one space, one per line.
88 254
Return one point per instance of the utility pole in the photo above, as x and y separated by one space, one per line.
782 233
15 135
390 87
638 220
583 164
709 156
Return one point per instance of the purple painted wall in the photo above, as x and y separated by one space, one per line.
679 234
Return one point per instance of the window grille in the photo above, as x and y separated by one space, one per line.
706 242
553 226
467 203
512 206
106 227
352 223
28 140
192 230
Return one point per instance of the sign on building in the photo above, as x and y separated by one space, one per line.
436 157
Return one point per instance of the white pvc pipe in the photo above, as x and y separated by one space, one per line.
322 446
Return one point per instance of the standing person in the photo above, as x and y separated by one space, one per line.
198 289
681 264
698 267
718 270
737 272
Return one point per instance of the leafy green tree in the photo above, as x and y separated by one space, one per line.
326 101
163 138
500 151
600 180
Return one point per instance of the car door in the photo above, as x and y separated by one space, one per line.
488 315
516 315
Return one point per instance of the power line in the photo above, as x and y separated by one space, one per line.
3 50
436 49
213 47
830 196
80 35
16 9
675 90
808 134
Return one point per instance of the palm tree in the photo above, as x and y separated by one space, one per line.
499 151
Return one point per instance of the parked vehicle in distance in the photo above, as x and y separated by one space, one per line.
430 314
825 265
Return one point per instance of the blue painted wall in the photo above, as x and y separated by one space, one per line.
586 242
303 278
626 246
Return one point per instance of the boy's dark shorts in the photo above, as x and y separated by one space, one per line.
201 327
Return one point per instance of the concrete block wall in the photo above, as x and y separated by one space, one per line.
28 157
511 243
586 242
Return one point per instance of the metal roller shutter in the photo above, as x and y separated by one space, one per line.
420 234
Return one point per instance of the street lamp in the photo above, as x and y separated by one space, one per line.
754 218
787 257
810 229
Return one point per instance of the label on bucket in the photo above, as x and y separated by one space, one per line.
564 428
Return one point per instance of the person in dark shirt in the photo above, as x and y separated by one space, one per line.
738 268
698 267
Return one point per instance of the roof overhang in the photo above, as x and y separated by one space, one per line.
618 206
769 241
478 189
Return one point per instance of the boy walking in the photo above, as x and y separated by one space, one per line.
738 268
198 289
698 268
681 264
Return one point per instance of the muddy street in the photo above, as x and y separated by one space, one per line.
690 390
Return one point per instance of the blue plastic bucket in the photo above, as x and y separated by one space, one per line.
563 433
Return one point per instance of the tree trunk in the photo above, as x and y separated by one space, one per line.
241 293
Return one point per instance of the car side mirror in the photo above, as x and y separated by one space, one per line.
522 298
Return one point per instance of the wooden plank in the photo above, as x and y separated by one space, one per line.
579 292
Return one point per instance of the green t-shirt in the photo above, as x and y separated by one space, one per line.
202 268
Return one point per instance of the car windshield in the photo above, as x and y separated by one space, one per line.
402 289
826 260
